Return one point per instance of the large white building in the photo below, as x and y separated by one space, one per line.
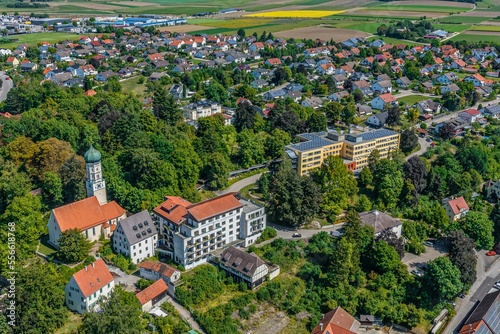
136 237
192 231
88 287
196 110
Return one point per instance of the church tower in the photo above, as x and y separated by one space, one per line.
95 184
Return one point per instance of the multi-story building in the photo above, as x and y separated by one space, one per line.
244 267
88 287
195 110
190 232
355 149
136 237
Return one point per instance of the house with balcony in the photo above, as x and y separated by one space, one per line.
243 266
195 110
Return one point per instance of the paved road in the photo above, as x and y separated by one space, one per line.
454 114
424 144
237 186
486 277
6 86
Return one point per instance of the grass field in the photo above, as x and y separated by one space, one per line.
418 8
412 99
485 28
51 37
394 41
297 13
44 246
452 27
462 19
477 38
71 326
369 27
132 85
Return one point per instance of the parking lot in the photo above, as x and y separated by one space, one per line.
413 261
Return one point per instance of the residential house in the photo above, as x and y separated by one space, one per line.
61 78
403 82
62 56
493 190
154 270
458 124
339 79
88 287
126 72
177 91
325 69
477 80
193 231
456 208
313 101
28 67
273 62
259 83
90 92
470 115
492 111
338 96
382 87
457 64
363 86
205 108
296 96
256 47
88 70
274 94
104 76
152 295
484 318
451 88
381 222
363 109
136 237
377 120
381 101
243 267
337 321
428 107
447 78
12 61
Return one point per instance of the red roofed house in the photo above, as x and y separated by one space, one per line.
155 57
470 115
87 286
12 61
154 270
273 62
90 92
456 208
382 100
477 80
337 321
193 231
150 296
92 216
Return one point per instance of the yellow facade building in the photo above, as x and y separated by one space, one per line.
354 148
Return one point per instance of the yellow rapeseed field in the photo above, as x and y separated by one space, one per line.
297 13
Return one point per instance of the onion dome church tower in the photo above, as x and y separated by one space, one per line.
95 184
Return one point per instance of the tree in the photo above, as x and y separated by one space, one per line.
165 107
384 257
414 169
442 280
479 227
413 114
73 246
73 179
245 116
113 85
275 143
349 113
217 170
121 313
52 189
216 92
279 76
392 240
293 200
389 188
39 299
393 116
447 131
333 111
409 141
462 255
366 177
50 155
251 148
317 122
241 32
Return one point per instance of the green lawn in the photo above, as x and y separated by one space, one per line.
418 8
452 27
461 19
132 85
51 37
369 27
44 247
412 99
486 28
71 327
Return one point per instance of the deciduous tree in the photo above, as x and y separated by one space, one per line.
73 246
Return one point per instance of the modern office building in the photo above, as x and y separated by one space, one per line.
355 148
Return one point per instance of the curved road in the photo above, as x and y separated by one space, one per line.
237 186
6 86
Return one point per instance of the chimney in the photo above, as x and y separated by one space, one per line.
321 326
322 316
92 264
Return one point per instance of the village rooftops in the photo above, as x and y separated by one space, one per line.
138 227
93 277
214 206
161 268
380 221
152 291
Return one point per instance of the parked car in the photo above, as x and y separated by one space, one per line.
428 140
429 243
7 78
497 285
417 272
461 295
296 235
491 253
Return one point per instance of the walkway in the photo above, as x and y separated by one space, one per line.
237 186
185 314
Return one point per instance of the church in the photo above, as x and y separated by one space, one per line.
93 216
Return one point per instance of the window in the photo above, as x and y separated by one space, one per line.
82 299
93 230
100 290
69 294
134 254
83 308
140 251
134 246
95 294
139 244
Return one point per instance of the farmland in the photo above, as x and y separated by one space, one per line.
297 13
324 33
51 37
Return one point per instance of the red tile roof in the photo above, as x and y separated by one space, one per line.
93 277
337 321
173 209
458 204
161 268
473 112
86 213
387 98
152 291
274 61
90 92
214 206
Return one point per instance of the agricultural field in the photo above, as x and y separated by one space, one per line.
494 28
51 37
452 27
478 36
297 13
324 33
461 19
401 6
368 12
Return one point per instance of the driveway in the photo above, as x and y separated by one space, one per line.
6 86
237 186
412 261
424 145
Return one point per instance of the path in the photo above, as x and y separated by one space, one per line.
237 186
6 86
185 314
